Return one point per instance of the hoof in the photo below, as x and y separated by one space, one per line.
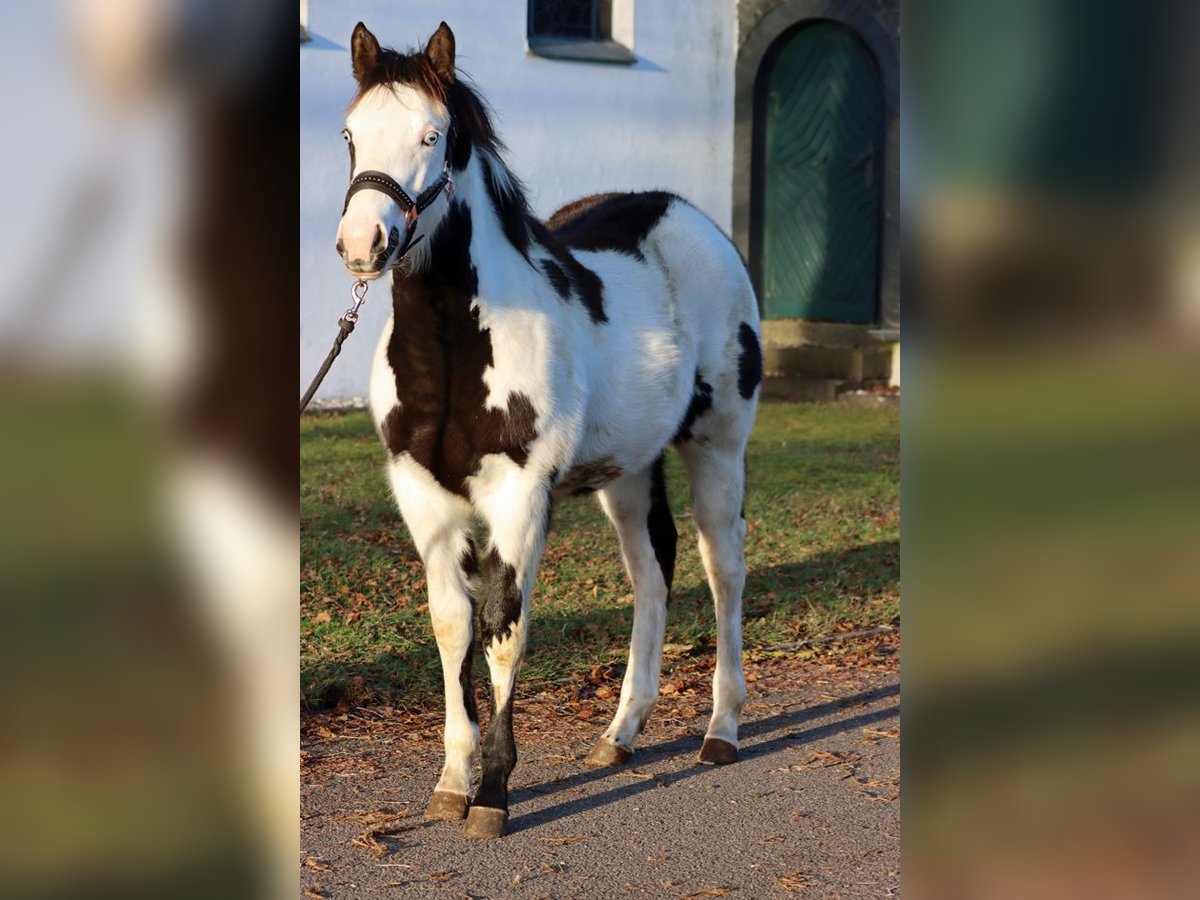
484 822
446 807
716 752
606 753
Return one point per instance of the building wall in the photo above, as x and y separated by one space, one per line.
572 128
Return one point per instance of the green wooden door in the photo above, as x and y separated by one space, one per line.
822 178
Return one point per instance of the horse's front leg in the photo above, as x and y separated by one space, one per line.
440 524
517 536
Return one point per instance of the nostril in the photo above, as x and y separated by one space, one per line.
380 240
340 247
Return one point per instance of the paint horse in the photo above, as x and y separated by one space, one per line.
523 361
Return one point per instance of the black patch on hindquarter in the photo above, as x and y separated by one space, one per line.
498 599
618 222
661 524
702 401
438 353
750 361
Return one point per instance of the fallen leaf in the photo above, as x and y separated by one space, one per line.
824 759
794 883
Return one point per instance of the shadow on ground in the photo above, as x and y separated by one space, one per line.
758 738
796 587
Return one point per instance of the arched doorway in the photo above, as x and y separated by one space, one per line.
817 211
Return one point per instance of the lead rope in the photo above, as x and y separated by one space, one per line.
358 293
384 183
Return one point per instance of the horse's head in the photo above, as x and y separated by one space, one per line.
398 130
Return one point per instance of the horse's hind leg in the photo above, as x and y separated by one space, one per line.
637 506
718 480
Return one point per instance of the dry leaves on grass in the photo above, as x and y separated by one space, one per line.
707 892
315 862
316 892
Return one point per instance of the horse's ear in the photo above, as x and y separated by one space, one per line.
364 52
440 51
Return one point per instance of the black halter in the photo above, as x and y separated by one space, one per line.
370 180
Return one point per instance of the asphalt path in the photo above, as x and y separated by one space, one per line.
810 808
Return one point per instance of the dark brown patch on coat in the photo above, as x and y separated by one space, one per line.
586 477
438 353
618 222
577 208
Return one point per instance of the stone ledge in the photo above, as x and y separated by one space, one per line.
854 365
802 333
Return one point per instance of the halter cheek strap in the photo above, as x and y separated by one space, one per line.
371 180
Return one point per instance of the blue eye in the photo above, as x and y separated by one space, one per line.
430 139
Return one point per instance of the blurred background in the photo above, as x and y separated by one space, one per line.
1050 446
148 511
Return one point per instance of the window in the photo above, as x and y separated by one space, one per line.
575 29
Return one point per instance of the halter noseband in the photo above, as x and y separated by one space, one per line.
370 180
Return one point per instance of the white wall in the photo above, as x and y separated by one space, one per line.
572 128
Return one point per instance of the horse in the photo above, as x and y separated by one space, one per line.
525 360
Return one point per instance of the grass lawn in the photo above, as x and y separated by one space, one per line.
823 510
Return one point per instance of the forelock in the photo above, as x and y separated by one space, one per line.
393 68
